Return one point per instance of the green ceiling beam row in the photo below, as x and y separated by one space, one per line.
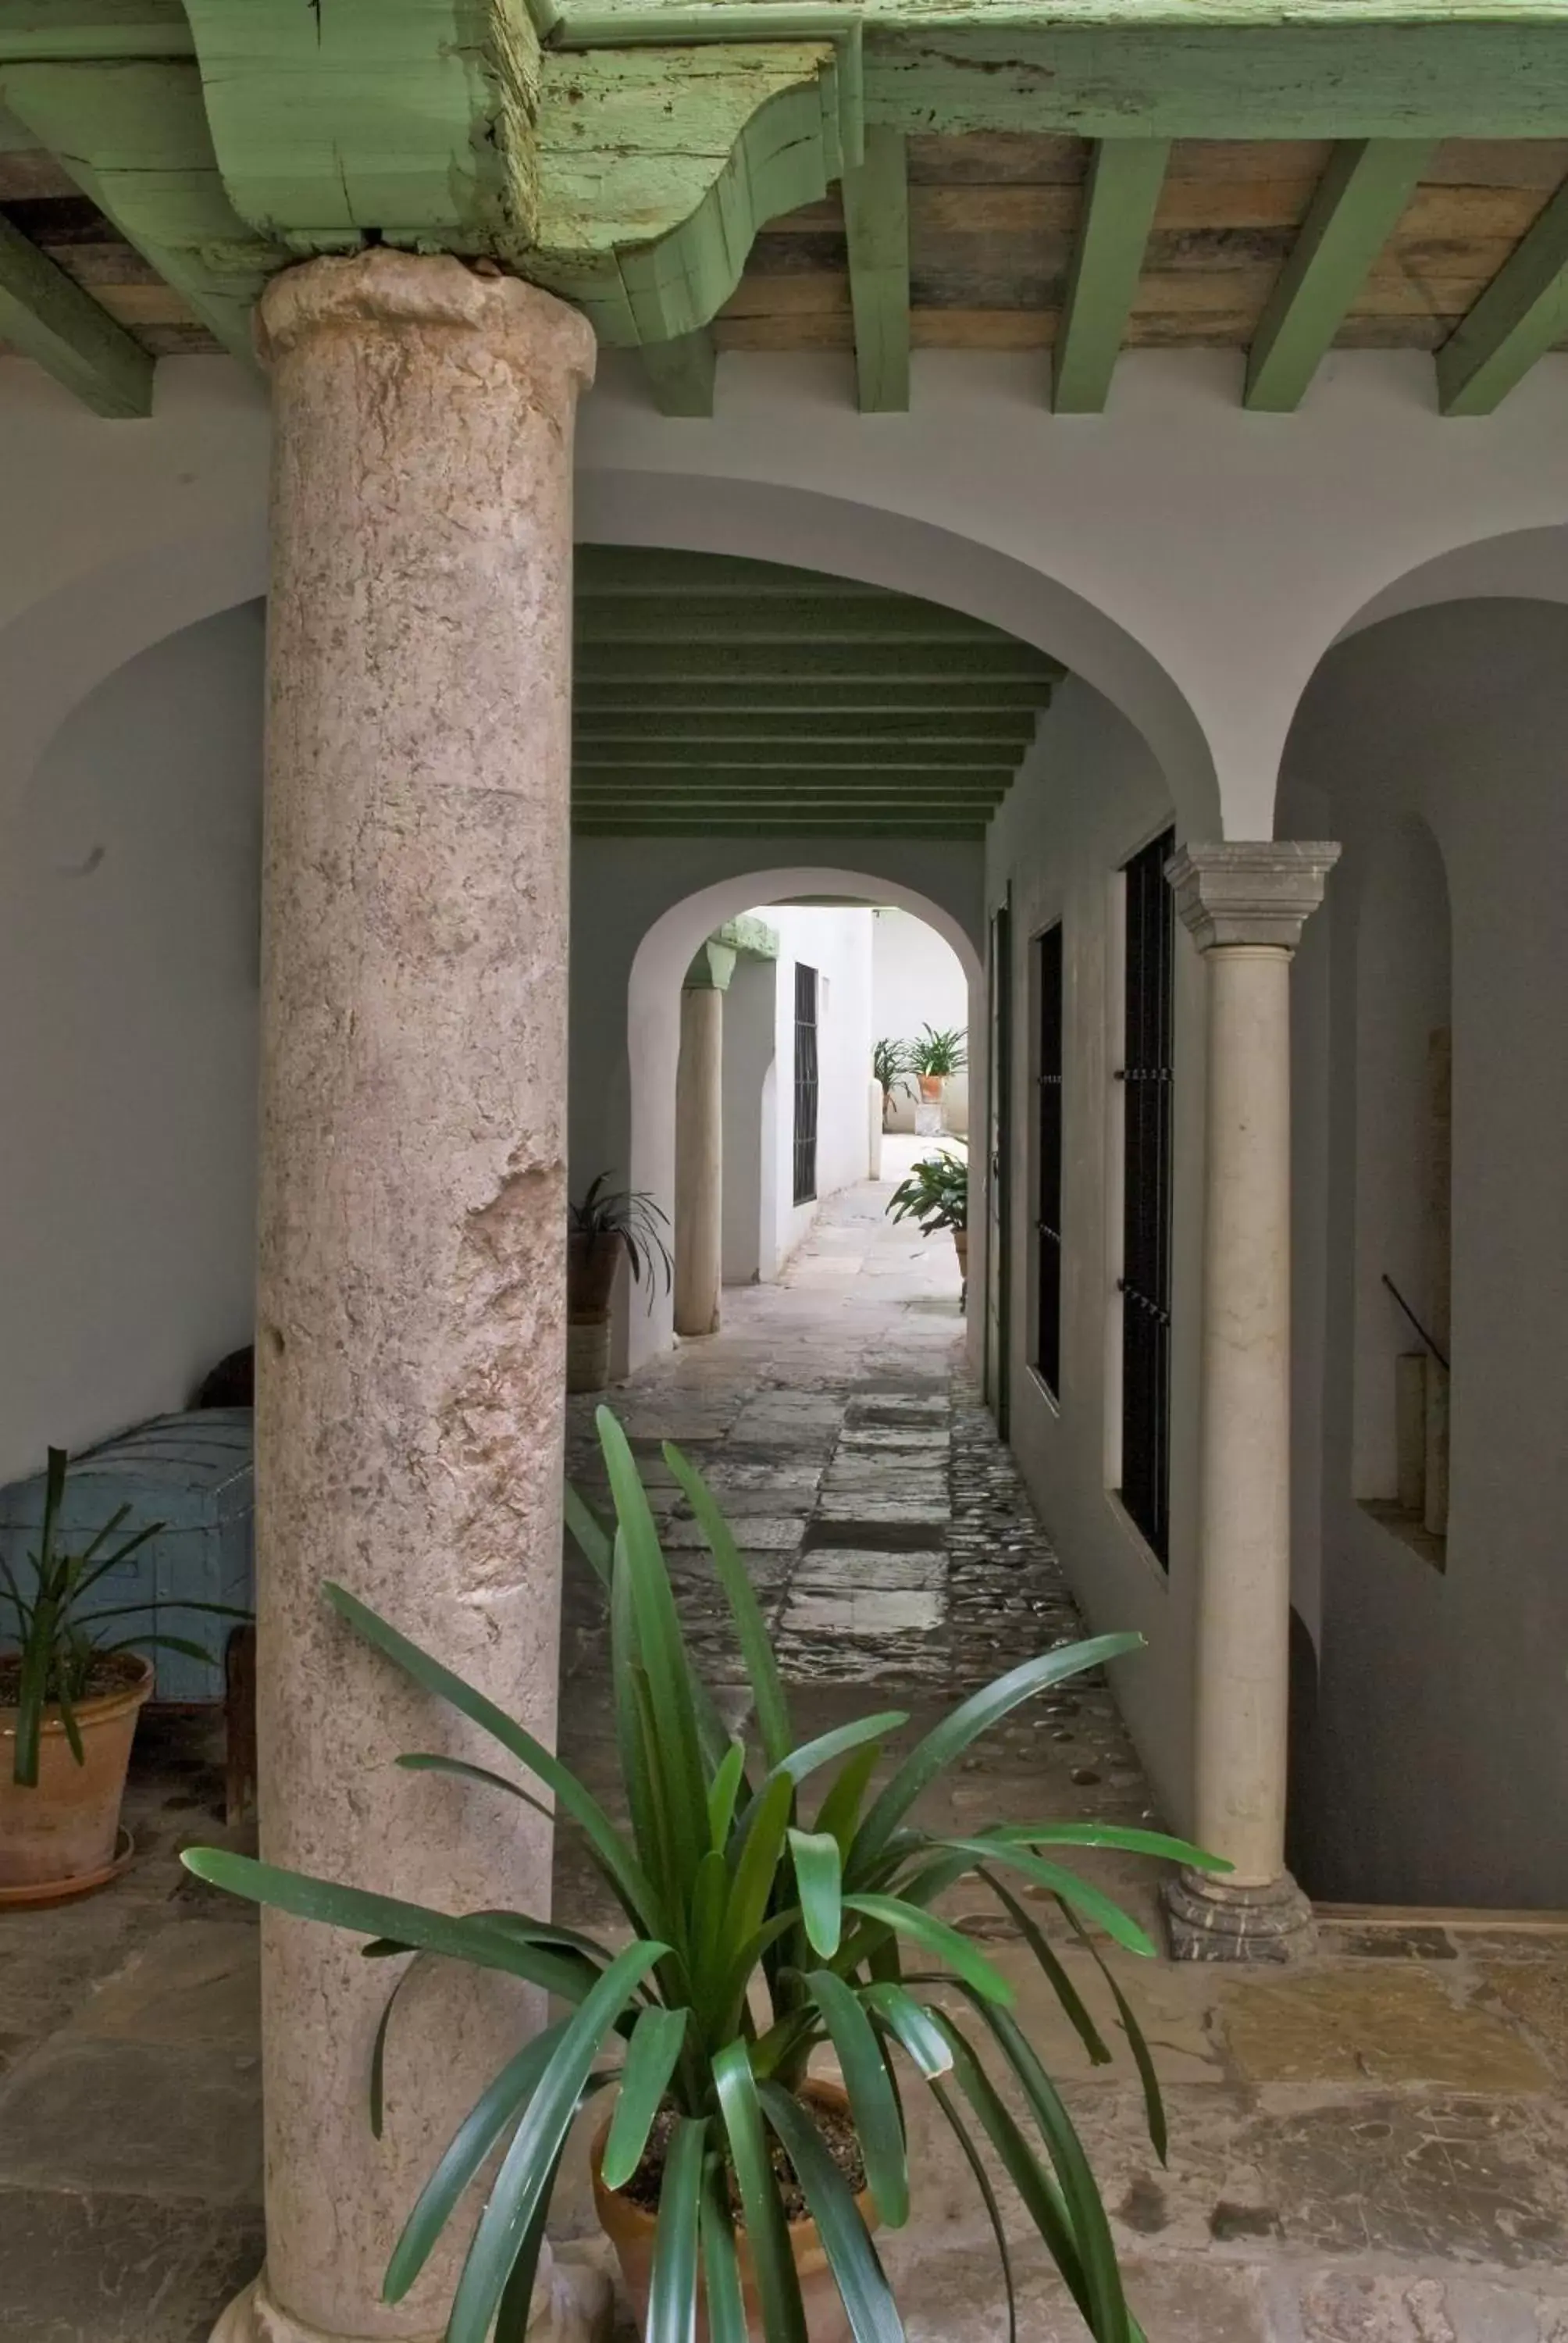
1119 196
778 619
46 315
885 663
1357 207
793 753
889 733
902 698
877 236
1522 313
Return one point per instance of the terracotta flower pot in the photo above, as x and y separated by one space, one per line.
587 1355
962 1247
62 1831
630 2231
590 1278
930 1087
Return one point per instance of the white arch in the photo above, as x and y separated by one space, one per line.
805 529
1525 564
60 648
653 1029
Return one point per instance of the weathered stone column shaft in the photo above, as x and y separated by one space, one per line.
699 1144
1245 904
411 1306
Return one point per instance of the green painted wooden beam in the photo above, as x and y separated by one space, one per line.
681 373
937 833
46 315
1356 208
1226 69
876 229
873 662
902 698
1522 314
806 618
789 751
62 31
133 135
1125 176
810 731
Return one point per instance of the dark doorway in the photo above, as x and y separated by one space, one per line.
805 1084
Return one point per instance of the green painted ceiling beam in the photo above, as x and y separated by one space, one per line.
717 731
1356 208
654 569
48 317
1125 176
1519 318
937 832
681 373
133 135
61 31
877 230
901 698
874 662
786 751
806 619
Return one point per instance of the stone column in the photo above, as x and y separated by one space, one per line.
1245 904
700 1142
411 1305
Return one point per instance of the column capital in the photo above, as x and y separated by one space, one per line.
1250 890
712 969
388 290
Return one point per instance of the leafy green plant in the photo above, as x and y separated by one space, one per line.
727 1889
891 1066
607 1222
936 1193
58 1645
939 1050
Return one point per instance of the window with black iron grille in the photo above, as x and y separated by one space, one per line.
805 1084
1146 1075
1048 1145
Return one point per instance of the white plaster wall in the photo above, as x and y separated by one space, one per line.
128 929
917 980
838 945
1089 797
1433 1771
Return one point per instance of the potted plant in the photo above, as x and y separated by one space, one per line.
71 1690
777 1906
936 1194
890 1070
934 1054
607 1224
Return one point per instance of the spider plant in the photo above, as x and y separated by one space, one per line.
58 1645
937 1050
776 1902
891 1069
936 1193
607 1222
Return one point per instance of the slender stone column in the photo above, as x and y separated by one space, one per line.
411 1305
1246 904
700 1142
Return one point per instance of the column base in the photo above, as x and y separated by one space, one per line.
573 2302
1208 1919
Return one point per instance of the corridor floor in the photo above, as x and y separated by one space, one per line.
1371 2149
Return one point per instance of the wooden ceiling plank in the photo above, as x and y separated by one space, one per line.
680 374
1523 312
876 224
47 317
1359 203
1125 178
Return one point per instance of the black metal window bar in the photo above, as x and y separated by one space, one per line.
805 1084
1048 1131
1146 1076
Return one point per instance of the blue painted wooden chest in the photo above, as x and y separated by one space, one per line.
192 1472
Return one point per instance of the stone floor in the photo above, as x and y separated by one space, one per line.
1371 2149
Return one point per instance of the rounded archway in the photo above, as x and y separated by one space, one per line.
949 903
